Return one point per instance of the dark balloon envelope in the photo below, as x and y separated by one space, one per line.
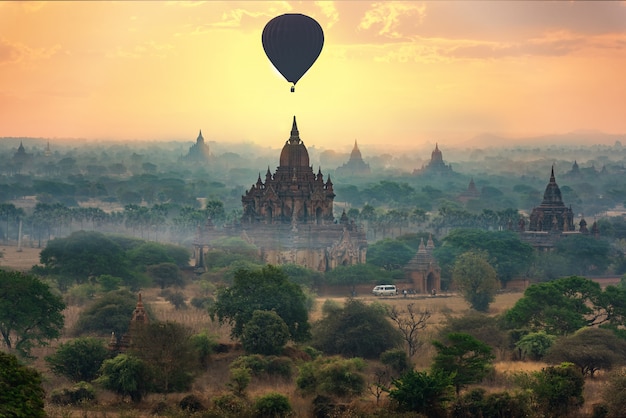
292 42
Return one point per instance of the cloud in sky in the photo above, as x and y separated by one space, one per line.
389 69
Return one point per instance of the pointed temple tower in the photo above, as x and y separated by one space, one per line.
289 216
551 220
138 319
552 214
355 165
435 165
199 152
294 193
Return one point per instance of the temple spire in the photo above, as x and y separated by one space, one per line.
552 179
295 135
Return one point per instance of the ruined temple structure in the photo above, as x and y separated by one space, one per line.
199 152
355 165
435 165
551 220
289 217
138 318
423 271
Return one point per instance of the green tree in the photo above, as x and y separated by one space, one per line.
614 394
535 345
79 359
125 375
557 390
266 290
84 256
30 314
165 274
266 333
475 279
389 254
332 376
151 253
21 391
111 312
356 274
465 357
508 255
423 392
168 352
559 307
585 254
356 330
272 405
481 326
590 349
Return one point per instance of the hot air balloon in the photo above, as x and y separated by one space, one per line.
292 42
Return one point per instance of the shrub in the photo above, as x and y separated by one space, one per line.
21 393
177 299
239 380
396 359
332 376
535 345
109 313
356 330
230 405
272 405
477 403
422 392
80 393
280 366
614 394
79 359
191 403
265 333
202 303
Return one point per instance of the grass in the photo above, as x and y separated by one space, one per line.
213 382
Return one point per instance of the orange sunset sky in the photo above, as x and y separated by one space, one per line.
391 74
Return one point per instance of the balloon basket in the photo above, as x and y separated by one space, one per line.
293 88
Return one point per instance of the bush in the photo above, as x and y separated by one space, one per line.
535 345
280 366
255 363
177 299
332 376
477 403
614 394
191 403
80 393
396 359
422 392
272 405
265 333
230 405
79 359
202 303
356 330
21 393
110 313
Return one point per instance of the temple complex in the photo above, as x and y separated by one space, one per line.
138 318
289 217
355 165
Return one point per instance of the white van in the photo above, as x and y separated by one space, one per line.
385 290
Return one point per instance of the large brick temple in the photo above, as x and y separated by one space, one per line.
289 216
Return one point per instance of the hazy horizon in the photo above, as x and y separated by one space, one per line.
399 75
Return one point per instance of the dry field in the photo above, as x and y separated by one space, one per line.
213 381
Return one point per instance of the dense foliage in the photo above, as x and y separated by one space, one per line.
30 313
355 330
268 289
21 392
